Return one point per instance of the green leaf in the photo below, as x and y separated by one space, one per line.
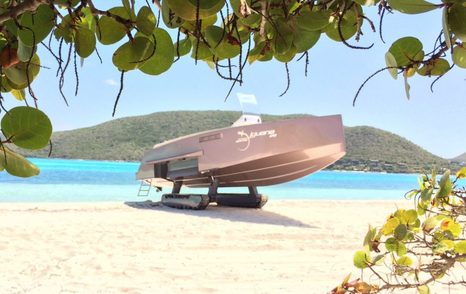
18 94
305 40
348 27
25 52
109 31
393 245
407 86
20 74
146 21
404 261
36 26
406 50
85 41
369 237
400 232
27 127
456 17
459 56
424 289
411 6
391 64
390 226
188 10
169 18
361 259
184 46
429 224
313 20
16 164
460 247
164 54
461 174
133 53
445 28
437 67
445 185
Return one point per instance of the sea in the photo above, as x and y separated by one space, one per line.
63 180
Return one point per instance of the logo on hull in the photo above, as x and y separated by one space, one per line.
245 139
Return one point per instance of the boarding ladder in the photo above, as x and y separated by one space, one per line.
144 189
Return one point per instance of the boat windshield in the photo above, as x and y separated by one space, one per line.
250 108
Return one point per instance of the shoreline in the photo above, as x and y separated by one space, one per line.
290 246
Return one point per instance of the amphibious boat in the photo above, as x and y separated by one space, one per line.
249 153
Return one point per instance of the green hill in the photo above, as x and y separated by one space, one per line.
127 138
461 158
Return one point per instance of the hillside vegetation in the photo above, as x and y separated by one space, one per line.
127 138
461 158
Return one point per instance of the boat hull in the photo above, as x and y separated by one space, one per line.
252 155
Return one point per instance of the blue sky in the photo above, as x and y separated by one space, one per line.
434 121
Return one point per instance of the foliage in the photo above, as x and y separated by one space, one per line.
419 246
225 34
367 148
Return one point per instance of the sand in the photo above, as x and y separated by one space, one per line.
287 247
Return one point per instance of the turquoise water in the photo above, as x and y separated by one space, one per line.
85 180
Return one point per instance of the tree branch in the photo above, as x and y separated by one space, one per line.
15 11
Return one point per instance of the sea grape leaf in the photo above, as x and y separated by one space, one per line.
390 226
411 6
406 50
109 31
445 27
145 20
25 52
184 46
36 26
305 40
361 259
450 225
164 54
391 64
133 53
445 185
400 232
456 17
188 10
429 224
370 235
170 19
424 289
27 127
313 20
460 247
18 94
393 245
16 164
348 27
437 67
85 41
459 56
20 74
201 50
461 174
287 56
282 39
404 261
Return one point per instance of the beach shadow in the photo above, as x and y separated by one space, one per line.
235 214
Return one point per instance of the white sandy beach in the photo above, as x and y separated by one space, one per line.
287 247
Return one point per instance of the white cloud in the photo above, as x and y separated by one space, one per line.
111 82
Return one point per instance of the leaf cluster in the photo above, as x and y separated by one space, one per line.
225 34
417 247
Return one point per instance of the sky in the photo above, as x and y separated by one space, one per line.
434 121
